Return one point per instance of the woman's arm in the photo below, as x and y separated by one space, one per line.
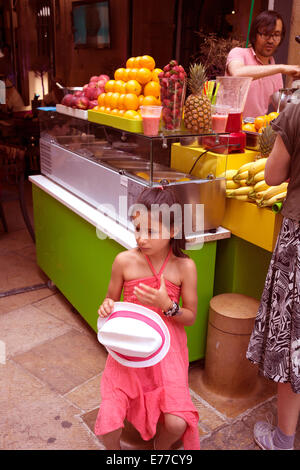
278 164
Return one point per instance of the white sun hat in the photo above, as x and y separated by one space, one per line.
134 335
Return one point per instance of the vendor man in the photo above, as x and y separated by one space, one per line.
266 34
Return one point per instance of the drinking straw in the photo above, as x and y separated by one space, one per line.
215 94
250 21
277 207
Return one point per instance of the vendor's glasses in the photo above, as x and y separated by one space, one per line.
266 37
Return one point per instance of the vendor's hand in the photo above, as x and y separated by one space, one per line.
293 70
154 297
106 308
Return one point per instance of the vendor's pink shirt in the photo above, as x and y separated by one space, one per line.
260 90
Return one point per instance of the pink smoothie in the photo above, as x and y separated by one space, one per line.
218 122
150 125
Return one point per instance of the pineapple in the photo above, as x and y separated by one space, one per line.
197 110
266 141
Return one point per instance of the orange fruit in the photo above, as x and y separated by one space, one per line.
119 73
141 99
132 74
107 109
115 112
130 114
131 101
114 100
126 75
130 63
137 62
109 86
121 101
148 62
272 116
149 101
101 99
249 127
152 88
144 75
132 86
102 109
155 74
120 86
121 112
108 98
260 121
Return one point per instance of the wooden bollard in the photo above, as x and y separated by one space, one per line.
227 371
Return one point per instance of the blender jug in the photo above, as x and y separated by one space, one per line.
232 93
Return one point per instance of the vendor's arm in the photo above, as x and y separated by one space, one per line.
278 164
114 288
237 68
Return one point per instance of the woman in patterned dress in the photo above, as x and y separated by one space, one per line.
275 341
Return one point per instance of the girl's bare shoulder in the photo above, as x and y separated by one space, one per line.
126 256
186 266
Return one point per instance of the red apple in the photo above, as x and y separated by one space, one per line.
82 102
104 77
101 83
78 93
67 100
93 103
94 78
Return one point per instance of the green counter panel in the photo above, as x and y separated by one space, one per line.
79 264
241 267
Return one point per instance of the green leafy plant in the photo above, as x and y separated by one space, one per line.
213 51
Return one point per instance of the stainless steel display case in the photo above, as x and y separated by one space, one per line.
108 168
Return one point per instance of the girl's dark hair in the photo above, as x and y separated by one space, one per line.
265 22
157 195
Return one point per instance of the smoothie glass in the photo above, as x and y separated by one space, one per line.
219 117
151 118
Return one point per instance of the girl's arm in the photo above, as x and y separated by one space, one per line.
189 296
114 288
278 164
159 297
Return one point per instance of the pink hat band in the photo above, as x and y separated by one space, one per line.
149 322
134 335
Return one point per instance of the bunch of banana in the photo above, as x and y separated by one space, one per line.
241 175
273 194
258 190
241 193
230 184
256 171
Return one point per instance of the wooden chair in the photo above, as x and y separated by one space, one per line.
12 178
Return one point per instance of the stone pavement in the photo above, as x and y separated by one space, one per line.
51 365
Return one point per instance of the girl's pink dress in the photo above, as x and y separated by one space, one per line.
142 395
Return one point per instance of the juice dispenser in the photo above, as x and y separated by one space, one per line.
232 93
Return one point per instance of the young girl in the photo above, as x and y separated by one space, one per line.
155 274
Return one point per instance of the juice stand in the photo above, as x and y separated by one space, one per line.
91 173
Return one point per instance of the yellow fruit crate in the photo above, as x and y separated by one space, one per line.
118 122
256 225
183 158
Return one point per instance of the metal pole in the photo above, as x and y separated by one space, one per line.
250 21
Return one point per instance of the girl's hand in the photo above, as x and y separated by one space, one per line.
154 297
106 308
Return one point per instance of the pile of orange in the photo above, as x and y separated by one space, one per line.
259 122
133 86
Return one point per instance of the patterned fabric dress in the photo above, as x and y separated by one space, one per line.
275 341
143 395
